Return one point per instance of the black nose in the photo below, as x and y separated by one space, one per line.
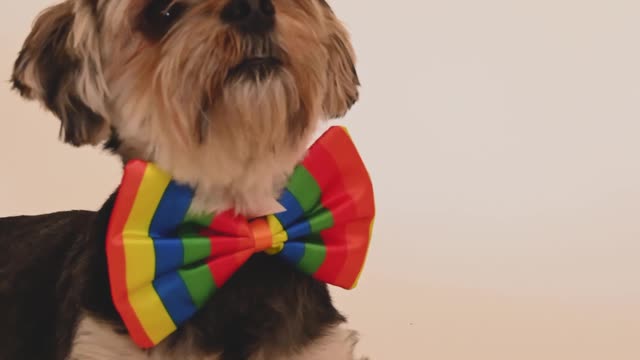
250 16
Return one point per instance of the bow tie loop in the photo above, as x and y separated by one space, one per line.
165 263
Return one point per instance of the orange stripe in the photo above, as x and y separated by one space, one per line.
261 234
131 181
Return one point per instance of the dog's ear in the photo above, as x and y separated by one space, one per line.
57 68
342 81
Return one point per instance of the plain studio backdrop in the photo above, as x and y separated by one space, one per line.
502 137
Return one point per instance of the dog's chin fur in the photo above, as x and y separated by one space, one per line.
182 90
244 160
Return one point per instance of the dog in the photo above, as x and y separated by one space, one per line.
224 95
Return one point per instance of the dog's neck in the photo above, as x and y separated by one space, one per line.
251 192
248 182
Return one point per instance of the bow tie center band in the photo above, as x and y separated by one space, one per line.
165 261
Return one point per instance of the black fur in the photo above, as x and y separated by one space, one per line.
113 143
33 253
53 268
158 17
57 66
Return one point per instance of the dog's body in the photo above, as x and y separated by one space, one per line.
224 95
57 303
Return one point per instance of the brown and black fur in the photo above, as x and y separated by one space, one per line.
178 93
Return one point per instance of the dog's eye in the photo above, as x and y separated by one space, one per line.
159 16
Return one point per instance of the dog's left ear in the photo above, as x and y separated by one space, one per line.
342 81
59 66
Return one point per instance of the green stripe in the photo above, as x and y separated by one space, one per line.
196 248
200 284
199 219
314 255
304 188
321 220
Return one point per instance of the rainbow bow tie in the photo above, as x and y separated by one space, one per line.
164 263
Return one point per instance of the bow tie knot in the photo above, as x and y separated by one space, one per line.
268 235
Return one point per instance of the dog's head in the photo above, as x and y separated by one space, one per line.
223 94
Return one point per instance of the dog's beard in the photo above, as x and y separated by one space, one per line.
231 122
255 132
259 114
236 149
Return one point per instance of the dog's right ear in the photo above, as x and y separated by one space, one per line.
342 77
56 68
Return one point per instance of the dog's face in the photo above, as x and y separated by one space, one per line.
223 94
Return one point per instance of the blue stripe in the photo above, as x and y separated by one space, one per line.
299 230
293 252
170 213
169 254
176 298
294 210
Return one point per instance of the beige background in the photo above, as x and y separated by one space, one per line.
503 140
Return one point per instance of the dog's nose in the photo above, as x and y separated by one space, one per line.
250 16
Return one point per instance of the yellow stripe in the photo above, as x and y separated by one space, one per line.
346 131
152 314
140 256
140 259
279 235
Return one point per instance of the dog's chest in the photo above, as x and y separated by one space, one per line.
96 341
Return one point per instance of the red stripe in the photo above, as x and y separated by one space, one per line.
132 178
330 176
354 173
320 163
343 179
323 167
227 226
227 223
226 245
357 234
227 235
223 268
357 183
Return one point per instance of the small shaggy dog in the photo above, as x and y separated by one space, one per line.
224 95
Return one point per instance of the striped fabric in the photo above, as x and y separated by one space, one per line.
165 262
